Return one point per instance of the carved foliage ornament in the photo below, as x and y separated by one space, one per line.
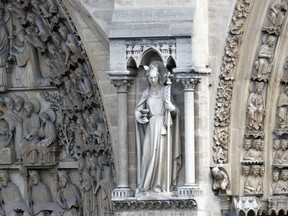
225 86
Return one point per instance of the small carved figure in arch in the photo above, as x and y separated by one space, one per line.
275 178
265 57
282 186
284 157
256 108
255 153
253 183
277 12
282 106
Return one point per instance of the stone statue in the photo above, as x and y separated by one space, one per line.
4 50
255 153
68 195
93 131
282 158
264 63
72 98
5 135
69 45
83 83
220 179
152 138
37 26
47 135
40 198
282 106
277 12
256 108
28 73
104 186
11 198
254 184
282 186
275 178
30 137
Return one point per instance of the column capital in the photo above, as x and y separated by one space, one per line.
189 84
122 85
122 80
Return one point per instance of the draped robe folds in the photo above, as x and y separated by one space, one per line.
12 199
152 161
40 196
28 72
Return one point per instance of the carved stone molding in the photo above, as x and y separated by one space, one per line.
155 204
122 85
277 204
225 86
136 48
246 204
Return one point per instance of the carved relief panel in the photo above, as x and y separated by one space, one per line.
55 148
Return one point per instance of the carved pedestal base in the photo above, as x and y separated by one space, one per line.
5 156
189 191
120 193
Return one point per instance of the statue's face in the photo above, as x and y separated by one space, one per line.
153 78
9 104
28 110
18 104
247 144
256 171
275 176
43 119
34 179
245 170
285 176
63 181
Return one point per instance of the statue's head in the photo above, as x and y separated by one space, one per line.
4 178
63 178
34 176
29 108
18 102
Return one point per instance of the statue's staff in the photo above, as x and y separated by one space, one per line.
168 123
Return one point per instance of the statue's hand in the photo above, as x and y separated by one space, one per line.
142 120
169 106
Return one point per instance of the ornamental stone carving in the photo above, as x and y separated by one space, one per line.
51 116
220 179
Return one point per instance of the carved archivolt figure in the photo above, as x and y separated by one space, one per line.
220 178
283 109
256 109
152 138
40 198
275 178
11 198
282 157
245 170
264 63
253 184
277 12
282 186
5 135
68 195
255 153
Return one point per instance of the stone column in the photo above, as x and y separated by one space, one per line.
190 187
122 82
189 89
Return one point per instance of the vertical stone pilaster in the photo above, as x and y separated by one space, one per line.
122 82
189 85
189 82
